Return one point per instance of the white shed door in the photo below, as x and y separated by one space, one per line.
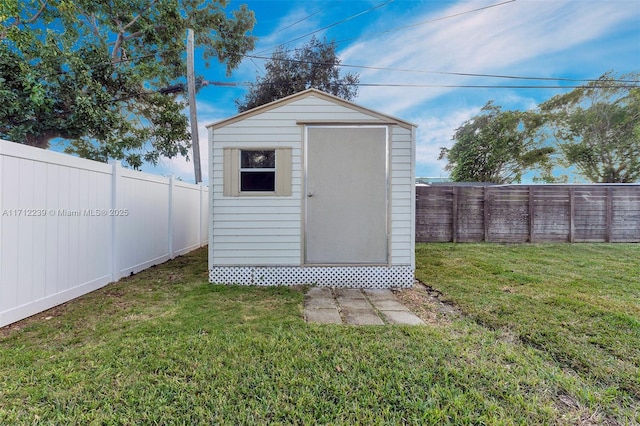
346 195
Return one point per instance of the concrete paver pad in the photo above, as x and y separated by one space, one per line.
402 317
352 293
379 294
320 303
362 317
347 303
323 316
356 306
389 305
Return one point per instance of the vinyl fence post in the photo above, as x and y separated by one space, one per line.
609 206
116 183
201 216
170 227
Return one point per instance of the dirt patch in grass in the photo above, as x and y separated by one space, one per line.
426 302
572 412
44 316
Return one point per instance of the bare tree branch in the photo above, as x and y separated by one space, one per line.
133 35
116 48
134 20
122 29
43 6
91 22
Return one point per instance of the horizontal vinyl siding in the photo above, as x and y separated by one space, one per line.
261 138
240 226
255 233
266 209
257 230
404 203
250 257
263 246
401 196
258 239
254 215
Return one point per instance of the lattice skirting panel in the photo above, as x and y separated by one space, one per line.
328 276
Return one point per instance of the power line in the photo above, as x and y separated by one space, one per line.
405 70
426 22
392 29
462 74
438 86
491 86
286 28
331 25
370 67
256 65
297 22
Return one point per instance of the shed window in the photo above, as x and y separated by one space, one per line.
257 170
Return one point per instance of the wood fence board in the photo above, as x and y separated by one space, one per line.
519 213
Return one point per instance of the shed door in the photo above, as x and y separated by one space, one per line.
346 188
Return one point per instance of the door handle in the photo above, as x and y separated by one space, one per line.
310 194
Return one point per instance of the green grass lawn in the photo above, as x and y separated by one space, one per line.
550 334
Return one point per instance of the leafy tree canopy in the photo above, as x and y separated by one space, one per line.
597 128
92 71
495 146
315 65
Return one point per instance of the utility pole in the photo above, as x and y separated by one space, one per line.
191 89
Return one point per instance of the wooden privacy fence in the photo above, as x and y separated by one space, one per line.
528 213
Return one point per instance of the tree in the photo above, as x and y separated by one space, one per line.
95 72
496 146
597 128
315 65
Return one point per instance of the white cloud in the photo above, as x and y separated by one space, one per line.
527 37
289 27
302 19
433 133
182 169
179 167
486 41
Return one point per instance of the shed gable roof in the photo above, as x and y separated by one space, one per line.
305 94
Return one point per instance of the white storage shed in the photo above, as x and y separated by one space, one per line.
312 189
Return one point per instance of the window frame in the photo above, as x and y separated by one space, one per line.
242 170
232 171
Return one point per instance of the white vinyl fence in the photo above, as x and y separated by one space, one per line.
69 226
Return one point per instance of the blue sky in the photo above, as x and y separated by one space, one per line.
577 39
